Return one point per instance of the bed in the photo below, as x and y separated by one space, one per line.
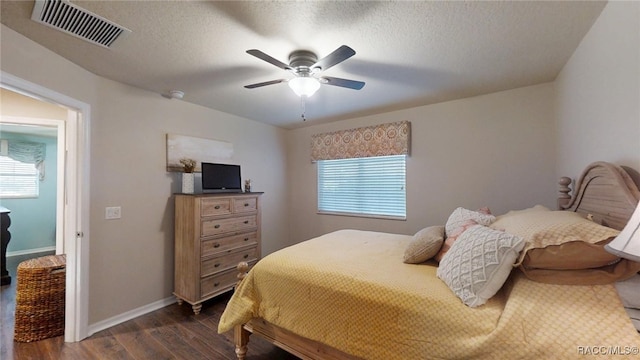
348 294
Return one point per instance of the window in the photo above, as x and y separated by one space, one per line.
18 179
370 187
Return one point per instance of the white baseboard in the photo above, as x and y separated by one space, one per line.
31 251
107 323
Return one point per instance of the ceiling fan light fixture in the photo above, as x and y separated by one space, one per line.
304 85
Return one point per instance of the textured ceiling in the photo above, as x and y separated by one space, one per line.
408 53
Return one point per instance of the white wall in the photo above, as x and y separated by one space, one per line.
598 94
131 261
495 150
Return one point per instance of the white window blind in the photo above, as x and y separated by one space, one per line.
371 186
18 179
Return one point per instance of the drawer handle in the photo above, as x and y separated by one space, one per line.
246 204
216 284
246 221
246 256
216 245
217 207
246 239
217 226
216 265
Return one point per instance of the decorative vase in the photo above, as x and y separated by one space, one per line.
187 183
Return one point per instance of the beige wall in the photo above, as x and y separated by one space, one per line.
131 261
590 113
495 150
128 170
14 104
598 94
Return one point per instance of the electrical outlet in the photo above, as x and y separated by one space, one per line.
112 212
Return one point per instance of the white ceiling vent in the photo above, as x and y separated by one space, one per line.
76 21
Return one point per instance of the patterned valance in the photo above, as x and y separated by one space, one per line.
377 140
26 152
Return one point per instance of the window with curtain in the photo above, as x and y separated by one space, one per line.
18 179
372 186
21 168
362 171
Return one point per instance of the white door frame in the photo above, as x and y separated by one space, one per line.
76 209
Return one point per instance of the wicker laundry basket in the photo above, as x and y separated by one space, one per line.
40 298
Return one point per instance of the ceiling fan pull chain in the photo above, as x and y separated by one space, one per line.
303 107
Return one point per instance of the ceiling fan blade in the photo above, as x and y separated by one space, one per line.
351 84
253 86
337 56
262 56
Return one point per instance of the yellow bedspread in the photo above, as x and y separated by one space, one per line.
350 290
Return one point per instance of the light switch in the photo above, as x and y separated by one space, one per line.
112 212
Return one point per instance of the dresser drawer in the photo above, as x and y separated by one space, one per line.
219 282
243 205
223 245
213 206
229 261
227 225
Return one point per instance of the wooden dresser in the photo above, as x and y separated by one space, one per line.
213 233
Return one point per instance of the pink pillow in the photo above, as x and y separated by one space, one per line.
460 220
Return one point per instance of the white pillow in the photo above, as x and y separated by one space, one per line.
425 244
460 216
478 263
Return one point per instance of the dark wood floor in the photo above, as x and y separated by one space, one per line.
173 332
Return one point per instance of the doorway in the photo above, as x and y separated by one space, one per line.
72 233
44 230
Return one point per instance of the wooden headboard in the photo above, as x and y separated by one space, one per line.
605 191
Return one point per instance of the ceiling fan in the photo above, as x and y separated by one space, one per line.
306 67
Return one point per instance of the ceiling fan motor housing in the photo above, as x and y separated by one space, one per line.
302 60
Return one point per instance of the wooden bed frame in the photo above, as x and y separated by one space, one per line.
605 192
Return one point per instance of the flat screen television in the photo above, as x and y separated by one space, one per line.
220 178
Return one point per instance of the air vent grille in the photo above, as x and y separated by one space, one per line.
73 20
